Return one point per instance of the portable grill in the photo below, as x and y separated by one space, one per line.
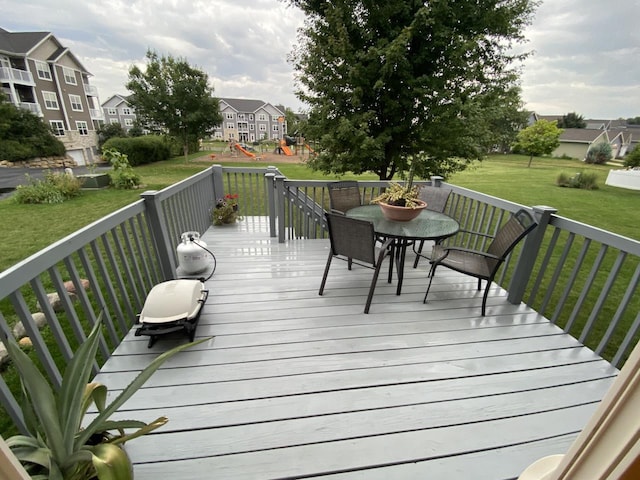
170 307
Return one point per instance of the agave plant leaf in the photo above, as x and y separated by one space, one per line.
143 430
71 394
96 393
41 400
111 462
38 456
131 389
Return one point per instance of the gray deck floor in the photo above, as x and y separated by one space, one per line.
294 385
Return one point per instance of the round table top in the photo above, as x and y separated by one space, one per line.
426 226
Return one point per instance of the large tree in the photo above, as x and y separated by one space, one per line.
174 96
23 135
541 138
392 81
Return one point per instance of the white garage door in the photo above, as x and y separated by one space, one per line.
78 156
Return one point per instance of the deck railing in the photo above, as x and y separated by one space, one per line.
582 278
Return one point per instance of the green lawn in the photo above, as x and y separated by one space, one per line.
29 228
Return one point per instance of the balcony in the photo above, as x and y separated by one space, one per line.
90 90
32 107
96 114
14 75
296 385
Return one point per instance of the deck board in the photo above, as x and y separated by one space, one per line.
297 385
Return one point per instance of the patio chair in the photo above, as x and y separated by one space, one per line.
343 195
354 241
436 198
483 265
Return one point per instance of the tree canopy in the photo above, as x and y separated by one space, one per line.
174 96
572 120
393 82
541 138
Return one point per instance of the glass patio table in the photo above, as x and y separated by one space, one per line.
428 225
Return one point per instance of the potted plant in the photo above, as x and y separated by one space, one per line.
401 202
58 446
226 210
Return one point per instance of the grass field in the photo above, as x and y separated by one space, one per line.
29 228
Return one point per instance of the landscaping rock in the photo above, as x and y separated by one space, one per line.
19 331
55 302
4 355
40 319
25 342
71 288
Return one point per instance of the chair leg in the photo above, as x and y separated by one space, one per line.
484 298
479 284
326 273
418 254
374 281
349 263
432 272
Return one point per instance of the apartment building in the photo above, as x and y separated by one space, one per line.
250 121
41 75
242 120
118 110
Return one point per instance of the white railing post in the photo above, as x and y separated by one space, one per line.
218 182
160 234
269 182
527 260
280 205
436 180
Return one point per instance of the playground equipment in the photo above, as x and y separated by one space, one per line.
284 146
245 151
308 147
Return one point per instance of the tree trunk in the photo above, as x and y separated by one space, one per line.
530 159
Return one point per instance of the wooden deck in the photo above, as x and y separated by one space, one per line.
295 385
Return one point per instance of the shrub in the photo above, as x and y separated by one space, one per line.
110 130
585 181
599 154
122 176
632 159
140 150
54 188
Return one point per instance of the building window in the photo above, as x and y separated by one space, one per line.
76 103
262 127
44 73
69 76
112 111
128 122
274 118
82 128
275 128
57 126
229 116
262 117
114 121
50 100
126 111
251 117
252 127
241 116
231 126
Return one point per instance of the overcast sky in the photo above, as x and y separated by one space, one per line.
586 52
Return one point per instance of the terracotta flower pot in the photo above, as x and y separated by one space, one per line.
401 214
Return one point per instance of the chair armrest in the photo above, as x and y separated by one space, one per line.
469 251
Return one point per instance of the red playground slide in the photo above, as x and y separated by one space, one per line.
245 151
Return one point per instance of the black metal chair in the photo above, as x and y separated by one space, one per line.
354 241
343 195
483 265
436 198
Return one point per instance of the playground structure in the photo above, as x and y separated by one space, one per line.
244 150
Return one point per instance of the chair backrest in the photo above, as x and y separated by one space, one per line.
436 197
344 195
352 238
508 236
